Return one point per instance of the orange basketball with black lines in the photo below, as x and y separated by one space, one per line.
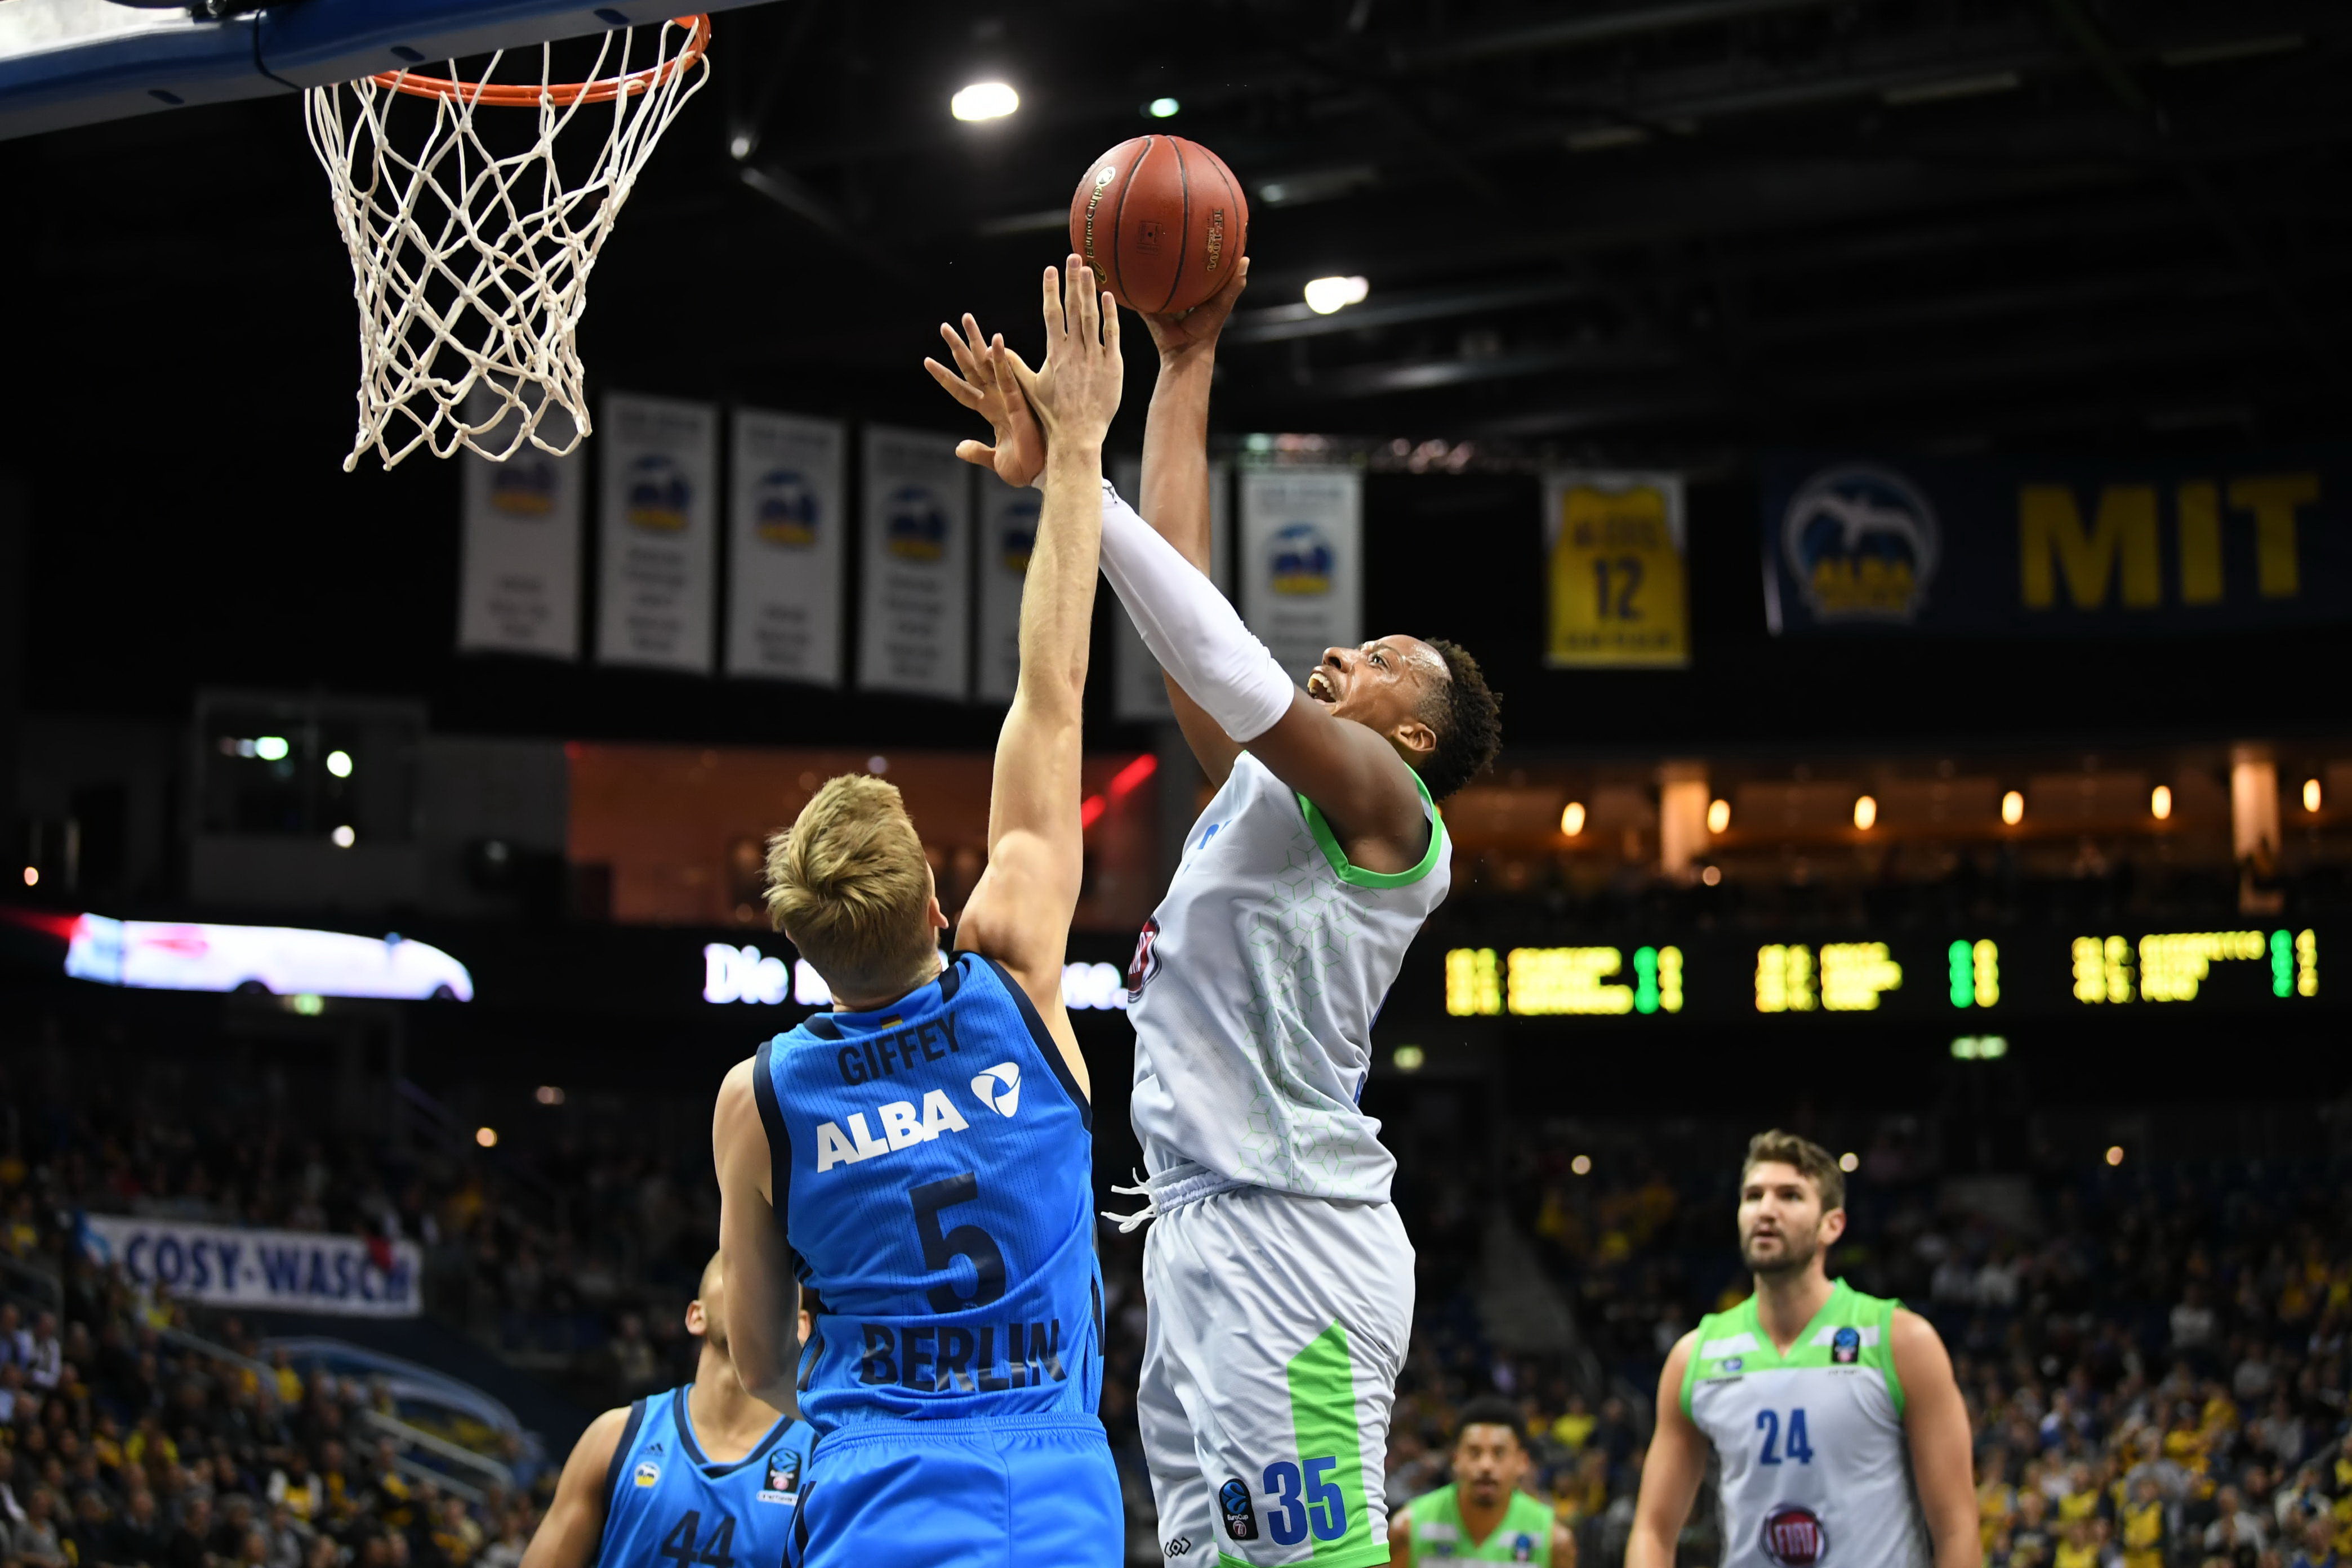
1163 222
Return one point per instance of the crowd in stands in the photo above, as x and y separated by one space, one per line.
2154 1357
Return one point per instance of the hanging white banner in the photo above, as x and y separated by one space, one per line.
785 548
284 1270
914 604
1008 531
519 589
659 532
1139 692
1302 561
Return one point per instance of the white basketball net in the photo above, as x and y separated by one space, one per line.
470 267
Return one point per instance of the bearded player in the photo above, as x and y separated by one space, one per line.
694 1474
922 1155
1482 1516
1835 1415
1279 1277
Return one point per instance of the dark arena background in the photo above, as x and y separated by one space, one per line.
1890 456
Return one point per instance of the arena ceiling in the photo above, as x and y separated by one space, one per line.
1671 228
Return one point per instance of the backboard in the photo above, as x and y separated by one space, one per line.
77 62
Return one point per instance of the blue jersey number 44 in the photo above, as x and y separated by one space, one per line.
1800 1446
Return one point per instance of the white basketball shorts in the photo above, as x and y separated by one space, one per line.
1279 1324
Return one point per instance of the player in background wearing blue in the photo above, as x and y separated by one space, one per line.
702 1475
922 1155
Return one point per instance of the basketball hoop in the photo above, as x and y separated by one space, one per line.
470 266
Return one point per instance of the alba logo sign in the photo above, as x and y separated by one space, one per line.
998 1088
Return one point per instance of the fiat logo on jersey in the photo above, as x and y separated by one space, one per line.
1794 1536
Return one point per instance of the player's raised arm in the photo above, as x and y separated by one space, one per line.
1175 492
574 1523
1672 1473
762 1294
1935 1428
1019 914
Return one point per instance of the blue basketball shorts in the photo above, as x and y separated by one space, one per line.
1038 1491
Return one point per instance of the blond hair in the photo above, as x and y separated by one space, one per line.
848 883
1778 1148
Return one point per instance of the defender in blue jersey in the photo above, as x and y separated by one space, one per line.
701 1475
921 1157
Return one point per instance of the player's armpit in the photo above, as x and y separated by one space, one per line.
1356 779
1401 1537
569 1535
1671 1473
1935 1428
763 1293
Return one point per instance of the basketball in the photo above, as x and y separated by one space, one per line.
1163 222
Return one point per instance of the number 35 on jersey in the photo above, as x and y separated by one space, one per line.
1613 549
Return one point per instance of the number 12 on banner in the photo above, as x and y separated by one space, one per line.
1613 552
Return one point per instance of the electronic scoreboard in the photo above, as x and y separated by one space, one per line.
1956 978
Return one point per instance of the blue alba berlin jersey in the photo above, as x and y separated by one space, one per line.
668 1505
934 1172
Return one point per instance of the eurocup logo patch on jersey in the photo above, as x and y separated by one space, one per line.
998 1088
1241 1514
1138 968
1730 1364
1523 1548
1793 1536
784 1478
647 1473
1845 1346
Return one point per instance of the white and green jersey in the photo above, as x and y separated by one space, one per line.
1253 993
1814 1470
1440 1534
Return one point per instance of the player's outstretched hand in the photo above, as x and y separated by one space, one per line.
1018 453
1186 332
1077 392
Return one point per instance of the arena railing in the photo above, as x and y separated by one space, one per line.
490 1471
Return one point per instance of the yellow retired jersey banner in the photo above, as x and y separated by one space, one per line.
1613 552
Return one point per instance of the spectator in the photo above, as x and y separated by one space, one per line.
35 1541
45 1357
92 1531
2317 1546
2145 1537
139 1536
187 1547
2192 1322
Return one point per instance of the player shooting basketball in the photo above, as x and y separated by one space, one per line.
922 1155
1279 1276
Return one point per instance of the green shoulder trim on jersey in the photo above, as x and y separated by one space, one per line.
1713 1330
1886 1347
1355 875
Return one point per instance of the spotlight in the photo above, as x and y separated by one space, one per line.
271 748
1582 1164
985 100
344 837
1865 812
1710 875
1409 1059
1849 1162
488 1137
32 876
2311 795
2116 1154
548 1094
741 147
1571 818
340 763
1325 295
2159 801
1718 815
1162 109
2013 807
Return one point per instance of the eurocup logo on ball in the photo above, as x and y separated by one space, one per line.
784 509
657 494
916 529
1302 560
1862 543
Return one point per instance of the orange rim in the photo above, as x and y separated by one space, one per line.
562 95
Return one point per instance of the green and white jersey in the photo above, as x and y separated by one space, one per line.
1814 1467
1439 1536
1253 992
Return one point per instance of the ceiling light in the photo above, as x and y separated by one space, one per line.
1582 1164
1163 109
1409 1059
32 876
1849 1162
1718 815
985 100
2013 807
2311 795
1571 818
741 147
488 1137
344 837
1325 295
1710 875
271 748
340 763
1865 812
2159 801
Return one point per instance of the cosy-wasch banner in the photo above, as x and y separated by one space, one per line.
2003 546
284 1270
